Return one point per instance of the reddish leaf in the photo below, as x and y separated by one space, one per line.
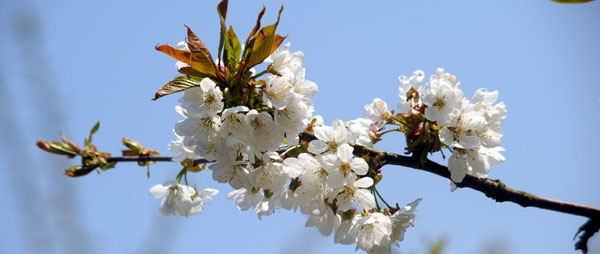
270 29
257 26
198 60
222 10
264 43
189 71
263 47
195 44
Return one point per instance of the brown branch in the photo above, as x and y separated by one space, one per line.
150 158
494 189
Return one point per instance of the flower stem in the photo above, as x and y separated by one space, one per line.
260 74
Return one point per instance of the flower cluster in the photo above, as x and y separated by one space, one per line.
256 149
471 129
262 139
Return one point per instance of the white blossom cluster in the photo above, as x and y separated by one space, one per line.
244 142
249 147
471 129
335 188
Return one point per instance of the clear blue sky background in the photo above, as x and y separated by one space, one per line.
66 64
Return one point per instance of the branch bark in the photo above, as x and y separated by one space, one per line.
149 158
494 189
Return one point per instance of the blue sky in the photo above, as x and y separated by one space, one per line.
67 64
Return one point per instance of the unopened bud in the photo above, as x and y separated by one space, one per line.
134 145
56 148
377 178
75 171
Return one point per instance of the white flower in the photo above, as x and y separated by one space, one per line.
403 219
343 167
372 231
357 192
494 115
466 131
323 221
201 134
277 91
404 86
362 130
287 200
182 199
204 100
474 135
266 134
474 162
270 176
183 151
294 118
237 175
198 201
378 111
329 138
443 98
235 123
306 88
343 226
313 178
284 61
245 199
231 150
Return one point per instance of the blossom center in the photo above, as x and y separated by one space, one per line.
332 146
439 102
346 168
210 98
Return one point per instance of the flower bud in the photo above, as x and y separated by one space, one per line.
56 148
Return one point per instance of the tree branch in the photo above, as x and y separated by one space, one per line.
150 158
494 189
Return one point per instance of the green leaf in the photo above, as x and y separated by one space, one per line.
134 145
88 140
95 128
178 84
233 49
222 10
61 148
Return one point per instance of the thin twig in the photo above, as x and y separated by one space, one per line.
150 158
